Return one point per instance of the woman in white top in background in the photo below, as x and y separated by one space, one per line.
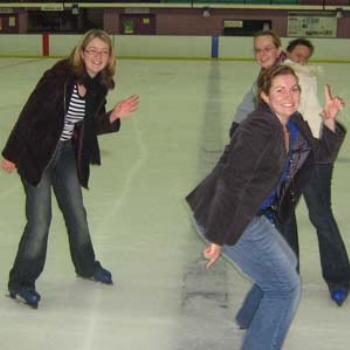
317 192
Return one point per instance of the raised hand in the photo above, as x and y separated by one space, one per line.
124 108
333 105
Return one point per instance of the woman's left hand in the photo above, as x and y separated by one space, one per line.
212 253
124 108
333 105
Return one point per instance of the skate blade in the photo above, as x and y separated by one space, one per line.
21 300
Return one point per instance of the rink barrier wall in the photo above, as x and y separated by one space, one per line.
163 47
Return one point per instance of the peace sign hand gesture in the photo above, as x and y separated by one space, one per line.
333 105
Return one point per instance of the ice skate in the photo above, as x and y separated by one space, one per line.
339 295
102 275
29 297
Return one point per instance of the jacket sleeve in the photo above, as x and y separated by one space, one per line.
247 152
247 106
103 124
329 144
41 98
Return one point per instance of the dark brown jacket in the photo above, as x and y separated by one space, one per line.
249 171
34 138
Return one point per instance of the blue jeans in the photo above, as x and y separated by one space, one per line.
333 255
268 310
61 176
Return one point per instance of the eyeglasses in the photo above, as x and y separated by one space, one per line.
265 50
95 52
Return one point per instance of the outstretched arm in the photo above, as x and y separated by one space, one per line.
124 108
110 122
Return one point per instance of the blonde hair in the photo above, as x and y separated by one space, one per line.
275 38
78 64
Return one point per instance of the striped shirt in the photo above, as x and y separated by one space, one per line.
75 113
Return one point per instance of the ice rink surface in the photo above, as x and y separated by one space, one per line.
162 299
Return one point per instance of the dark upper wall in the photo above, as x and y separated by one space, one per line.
179 21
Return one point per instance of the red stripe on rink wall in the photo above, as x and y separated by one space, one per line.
46 44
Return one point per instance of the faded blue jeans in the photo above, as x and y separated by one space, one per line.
269 308
61 176
333 255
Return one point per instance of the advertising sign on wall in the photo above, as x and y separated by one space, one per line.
312 26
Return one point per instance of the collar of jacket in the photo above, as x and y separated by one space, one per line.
297 118
304 129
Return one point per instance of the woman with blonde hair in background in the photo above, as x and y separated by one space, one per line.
52 145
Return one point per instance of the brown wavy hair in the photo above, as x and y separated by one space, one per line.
267 76
78 64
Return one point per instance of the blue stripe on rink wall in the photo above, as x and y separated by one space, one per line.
214 47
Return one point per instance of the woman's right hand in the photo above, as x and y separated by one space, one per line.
8 166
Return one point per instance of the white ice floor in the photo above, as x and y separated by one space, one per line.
163 299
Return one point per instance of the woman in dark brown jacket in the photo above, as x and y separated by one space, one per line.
52 146
254 185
